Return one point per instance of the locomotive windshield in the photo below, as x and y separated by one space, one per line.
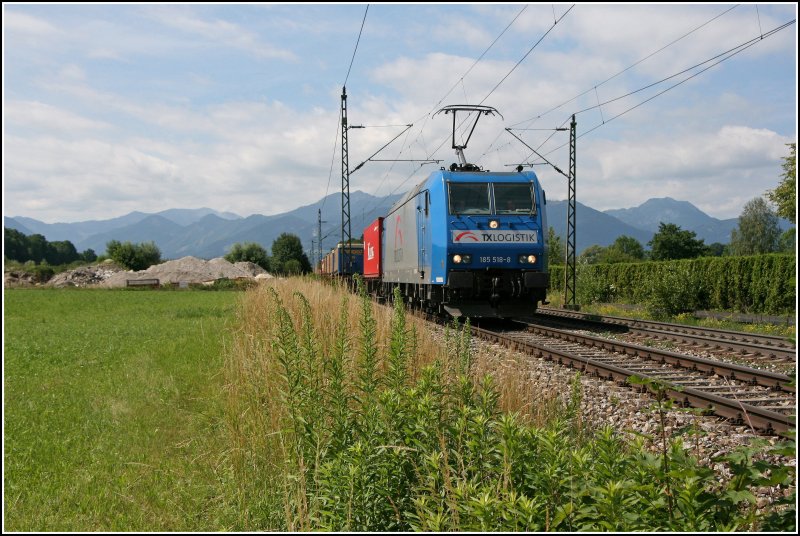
514 198
469 198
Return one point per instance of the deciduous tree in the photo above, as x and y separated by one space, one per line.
785 195
758 230
285 248
671 242
249 252
555 247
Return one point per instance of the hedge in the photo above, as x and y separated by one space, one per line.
763 284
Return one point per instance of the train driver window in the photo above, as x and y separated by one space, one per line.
469 198
514 198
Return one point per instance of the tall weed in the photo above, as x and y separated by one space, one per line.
387 431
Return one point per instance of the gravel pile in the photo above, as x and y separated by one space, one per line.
15 278
85 275
189 270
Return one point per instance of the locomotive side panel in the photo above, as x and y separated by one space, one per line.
401 255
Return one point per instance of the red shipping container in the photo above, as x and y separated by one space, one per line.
372 249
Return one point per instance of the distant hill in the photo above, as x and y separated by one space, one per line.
80 231
593 226
13 223
652 212
649 214
206 233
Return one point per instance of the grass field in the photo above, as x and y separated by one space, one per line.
113 410
293 408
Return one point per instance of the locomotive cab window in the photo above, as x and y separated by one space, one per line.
514 198
469 198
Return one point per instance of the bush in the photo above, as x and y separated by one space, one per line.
249 252
756 284
594 288
134 256
42 273
675 288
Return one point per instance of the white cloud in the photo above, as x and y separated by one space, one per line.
38 115
223 32
717 171
84 146
14 21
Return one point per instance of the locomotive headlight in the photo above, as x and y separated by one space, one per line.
531 259
457 259
467 259
493 224
527 259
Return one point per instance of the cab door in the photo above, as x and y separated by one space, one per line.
423 233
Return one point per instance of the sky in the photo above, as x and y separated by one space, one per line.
111 108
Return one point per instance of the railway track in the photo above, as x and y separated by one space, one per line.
761 399
764 348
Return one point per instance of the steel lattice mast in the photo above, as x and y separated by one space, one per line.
346 234
569 261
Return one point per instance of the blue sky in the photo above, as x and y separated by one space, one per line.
113 108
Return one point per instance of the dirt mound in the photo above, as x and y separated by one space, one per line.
18 278
252 268
85 276
188 270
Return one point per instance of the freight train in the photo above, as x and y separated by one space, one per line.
464 242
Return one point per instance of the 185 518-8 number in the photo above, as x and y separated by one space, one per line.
497 260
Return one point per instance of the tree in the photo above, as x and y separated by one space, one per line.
37 247
249 252
594 254
285 248
670 242
133 256
61 252
786 244
624 249
555 247
15 245
785 195
758 230
89 255
716 250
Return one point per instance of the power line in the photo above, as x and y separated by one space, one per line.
424 118
339 119
509 72
724 56
526 54
356 48
333 156
690 32
664 47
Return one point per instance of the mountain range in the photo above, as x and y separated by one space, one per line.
207 233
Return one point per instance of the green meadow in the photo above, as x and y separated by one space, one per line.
296 406
113 410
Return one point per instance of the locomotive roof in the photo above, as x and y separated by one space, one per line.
462 176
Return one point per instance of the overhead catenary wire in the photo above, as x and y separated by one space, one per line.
356 47
629 67
424 118
595 86
339 119
508 73
728 54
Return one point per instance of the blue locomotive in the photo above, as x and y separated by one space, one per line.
463 241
